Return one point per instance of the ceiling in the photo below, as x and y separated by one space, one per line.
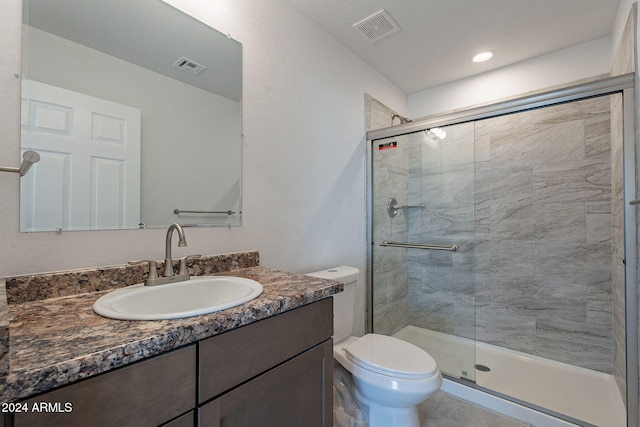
437 38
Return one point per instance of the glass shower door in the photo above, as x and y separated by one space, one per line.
424 275
532 303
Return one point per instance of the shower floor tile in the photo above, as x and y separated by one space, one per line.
444 410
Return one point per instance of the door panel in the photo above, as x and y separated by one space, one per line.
84 142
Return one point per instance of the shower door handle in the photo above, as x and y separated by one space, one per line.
451 248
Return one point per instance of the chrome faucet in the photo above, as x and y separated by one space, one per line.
169 276
168 262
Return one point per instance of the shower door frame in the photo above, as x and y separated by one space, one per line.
623 84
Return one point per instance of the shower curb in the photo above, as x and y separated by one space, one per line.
503 406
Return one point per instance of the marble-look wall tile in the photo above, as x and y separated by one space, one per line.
536 214
493 189
617 243
559 299
598 222
378 115
514 220
624 61
482 149
529 199
549 144
571 340
599 306
505 327
390 298
566 222
445 223
391 178
512 260
572 182
515 294
568 277
442 286
597 137
589 264
386 227
586 109
452 185
456 149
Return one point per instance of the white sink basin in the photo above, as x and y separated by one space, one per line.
199 295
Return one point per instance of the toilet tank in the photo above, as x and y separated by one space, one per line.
344 303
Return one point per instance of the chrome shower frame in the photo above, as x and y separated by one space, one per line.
624 84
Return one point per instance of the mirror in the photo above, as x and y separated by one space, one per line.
135 110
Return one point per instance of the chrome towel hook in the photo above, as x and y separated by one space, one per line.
29 158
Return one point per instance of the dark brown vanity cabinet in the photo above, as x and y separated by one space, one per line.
146 393
277 372
274 372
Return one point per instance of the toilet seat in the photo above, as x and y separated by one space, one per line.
391 356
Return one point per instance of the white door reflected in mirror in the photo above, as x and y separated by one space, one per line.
89 174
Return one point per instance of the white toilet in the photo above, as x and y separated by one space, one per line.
390 376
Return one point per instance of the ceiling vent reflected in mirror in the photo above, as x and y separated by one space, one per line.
191 67
376 26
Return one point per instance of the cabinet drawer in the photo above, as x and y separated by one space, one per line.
234 357
146 393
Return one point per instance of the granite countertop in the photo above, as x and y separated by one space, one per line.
59 340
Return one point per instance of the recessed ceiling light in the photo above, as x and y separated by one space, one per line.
483 56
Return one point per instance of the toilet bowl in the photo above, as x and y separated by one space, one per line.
389 376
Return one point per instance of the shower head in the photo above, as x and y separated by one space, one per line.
403 120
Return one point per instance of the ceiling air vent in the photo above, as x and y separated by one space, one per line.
376 26
191 67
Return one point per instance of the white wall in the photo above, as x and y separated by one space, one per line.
556 68
575 63
304 152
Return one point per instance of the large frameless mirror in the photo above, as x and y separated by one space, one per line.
135 110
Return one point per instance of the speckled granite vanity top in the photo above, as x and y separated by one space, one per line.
56 340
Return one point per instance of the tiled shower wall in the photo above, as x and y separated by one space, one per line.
390 276
583 320
528 198
441 178
623 62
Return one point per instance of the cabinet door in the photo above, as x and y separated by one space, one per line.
187 420
234 357
146 393
294 394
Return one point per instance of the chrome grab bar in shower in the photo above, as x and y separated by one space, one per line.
178 212
451 248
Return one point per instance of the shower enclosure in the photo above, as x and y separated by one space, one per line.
498 245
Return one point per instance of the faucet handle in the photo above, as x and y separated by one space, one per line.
182 270
153 267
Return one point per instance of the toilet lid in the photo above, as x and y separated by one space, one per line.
391 356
